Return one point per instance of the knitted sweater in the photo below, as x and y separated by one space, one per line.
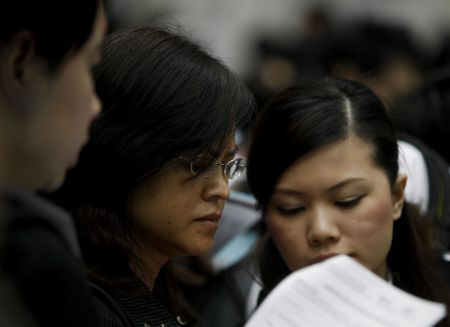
131 304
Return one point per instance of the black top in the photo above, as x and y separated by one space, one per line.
41 279
130 304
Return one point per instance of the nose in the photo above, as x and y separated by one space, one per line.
217 186
322 228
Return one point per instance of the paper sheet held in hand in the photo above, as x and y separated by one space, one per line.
340 292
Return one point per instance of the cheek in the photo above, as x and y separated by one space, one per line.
147 209
369 233
165 202
289 237
277 226
373 217
86 101
77 91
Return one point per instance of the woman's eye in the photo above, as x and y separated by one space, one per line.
227 159
290 211
349 203
202 164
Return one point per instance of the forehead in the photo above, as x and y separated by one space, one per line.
349 158
227 146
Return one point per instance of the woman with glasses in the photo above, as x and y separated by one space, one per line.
334 187
152 182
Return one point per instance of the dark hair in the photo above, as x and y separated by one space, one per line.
312 115
163 96
371 45
318 113
58 27
424 112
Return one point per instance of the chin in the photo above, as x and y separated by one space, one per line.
53 183
200 249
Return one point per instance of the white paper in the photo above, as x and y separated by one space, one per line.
341 292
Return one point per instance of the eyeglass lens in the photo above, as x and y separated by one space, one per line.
232 169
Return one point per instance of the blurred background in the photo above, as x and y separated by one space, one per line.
242 31
399 48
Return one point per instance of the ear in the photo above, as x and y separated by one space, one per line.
17 61
398 196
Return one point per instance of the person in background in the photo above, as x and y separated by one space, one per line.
422 119
323 166
423 113
152 181
47 102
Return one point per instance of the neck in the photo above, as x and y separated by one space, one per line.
13 173
147 266
15 169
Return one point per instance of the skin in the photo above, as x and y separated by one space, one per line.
335 200
168 210
46 114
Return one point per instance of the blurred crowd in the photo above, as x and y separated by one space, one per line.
400 49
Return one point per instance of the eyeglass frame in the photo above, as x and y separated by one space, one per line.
209 171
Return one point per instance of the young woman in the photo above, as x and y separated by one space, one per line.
323 165
47 102
152 182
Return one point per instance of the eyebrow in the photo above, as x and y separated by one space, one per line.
232 152
290 191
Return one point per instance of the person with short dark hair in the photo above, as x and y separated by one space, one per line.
323 166
47 102
152 182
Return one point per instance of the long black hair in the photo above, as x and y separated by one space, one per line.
321 112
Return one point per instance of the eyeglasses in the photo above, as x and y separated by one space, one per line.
232 169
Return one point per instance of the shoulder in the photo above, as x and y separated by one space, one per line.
27 219
35 252
38 258
39 239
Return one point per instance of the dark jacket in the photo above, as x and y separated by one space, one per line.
131 304
41 279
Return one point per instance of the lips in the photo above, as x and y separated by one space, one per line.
210 220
